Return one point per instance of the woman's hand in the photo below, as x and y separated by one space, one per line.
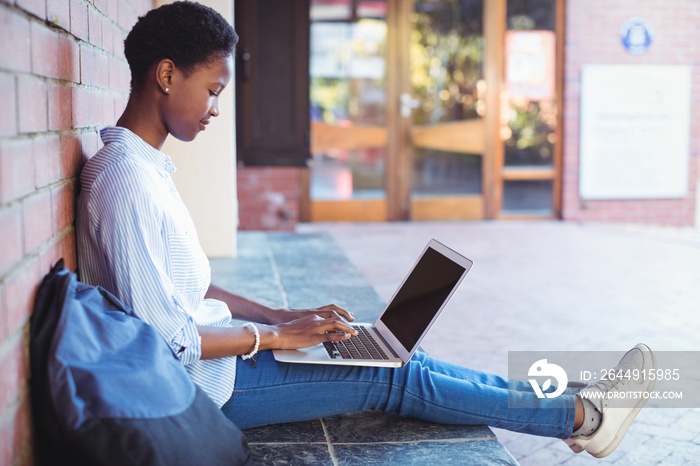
331 310
310 330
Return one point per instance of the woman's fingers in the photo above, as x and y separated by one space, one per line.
312 330
339 311
328 311
331 324
338 335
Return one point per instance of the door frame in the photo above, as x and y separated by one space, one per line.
399 150
400 147
494 38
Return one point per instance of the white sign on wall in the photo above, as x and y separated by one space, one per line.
635 131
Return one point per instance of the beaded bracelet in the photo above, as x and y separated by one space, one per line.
250 355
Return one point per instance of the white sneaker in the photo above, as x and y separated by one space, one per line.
618 411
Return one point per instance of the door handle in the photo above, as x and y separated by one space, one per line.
408 103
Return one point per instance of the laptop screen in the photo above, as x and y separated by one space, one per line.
421 296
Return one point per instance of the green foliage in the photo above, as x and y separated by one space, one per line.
446 54
330 94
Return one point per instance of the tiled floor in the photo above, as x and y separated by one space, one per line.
556 286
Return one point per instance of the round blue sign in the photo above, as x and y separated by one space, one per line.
636 35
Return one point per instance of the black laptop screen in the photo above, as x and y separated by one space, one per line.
421 296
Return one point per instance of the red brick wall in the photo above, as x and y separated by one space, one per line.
268 197
62 77
592 37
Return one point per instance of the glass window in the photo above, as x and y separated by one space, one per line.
446 56
530 109
348 99
331 10
528 197
530 119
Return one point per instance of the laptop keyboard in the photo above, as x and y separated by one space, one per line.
361 346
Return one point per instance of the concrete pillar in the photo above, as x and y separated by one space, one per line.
206 168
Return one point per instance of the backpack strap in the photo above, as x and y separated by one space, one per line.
53 292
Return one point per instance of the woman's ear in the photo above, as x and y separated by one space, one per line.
164 74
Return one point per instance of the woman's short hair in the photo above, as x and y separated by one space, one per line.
188 33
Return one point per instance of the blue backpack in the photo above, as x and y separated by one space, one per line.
107 390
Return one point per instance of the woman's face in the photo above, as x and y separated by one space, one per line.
194 99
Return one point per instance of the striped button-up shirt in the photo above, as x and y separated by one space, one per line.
137 240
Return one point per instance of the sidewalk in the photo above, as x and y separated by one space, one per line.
555 286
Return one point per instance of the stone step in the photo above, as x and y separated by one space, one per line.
306 270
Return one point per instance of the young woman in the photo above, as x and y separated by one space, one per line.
136 238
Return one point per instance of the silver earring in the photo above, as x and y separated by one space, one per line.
167 89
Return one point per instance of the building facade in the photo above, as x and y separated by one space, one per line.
437 110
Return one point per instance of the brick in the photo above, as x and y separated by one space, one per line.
120 101
16 169
71 156
68 59
118 43
79 19
103 6
45 50
90 143
47 158
20 289
3 333
13 377
119 105
107 109
60 112
15 54
114 66
8 95
88 65
114 105
102 72
143 6
11 234
36 220
58 13
49 255
68 251
95 27
28 453
7 434
126 17
83 100
35 7
32 105
63 205
112 10
64 247
16 429
107 35
119 75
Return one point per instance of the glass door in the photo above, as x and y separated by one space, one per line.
530 124
447 104
348 73
409 69
435 109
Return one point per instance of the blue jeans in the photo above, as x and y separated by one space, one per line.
425 388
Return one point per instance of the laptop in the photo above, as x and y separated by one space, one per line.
406 320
